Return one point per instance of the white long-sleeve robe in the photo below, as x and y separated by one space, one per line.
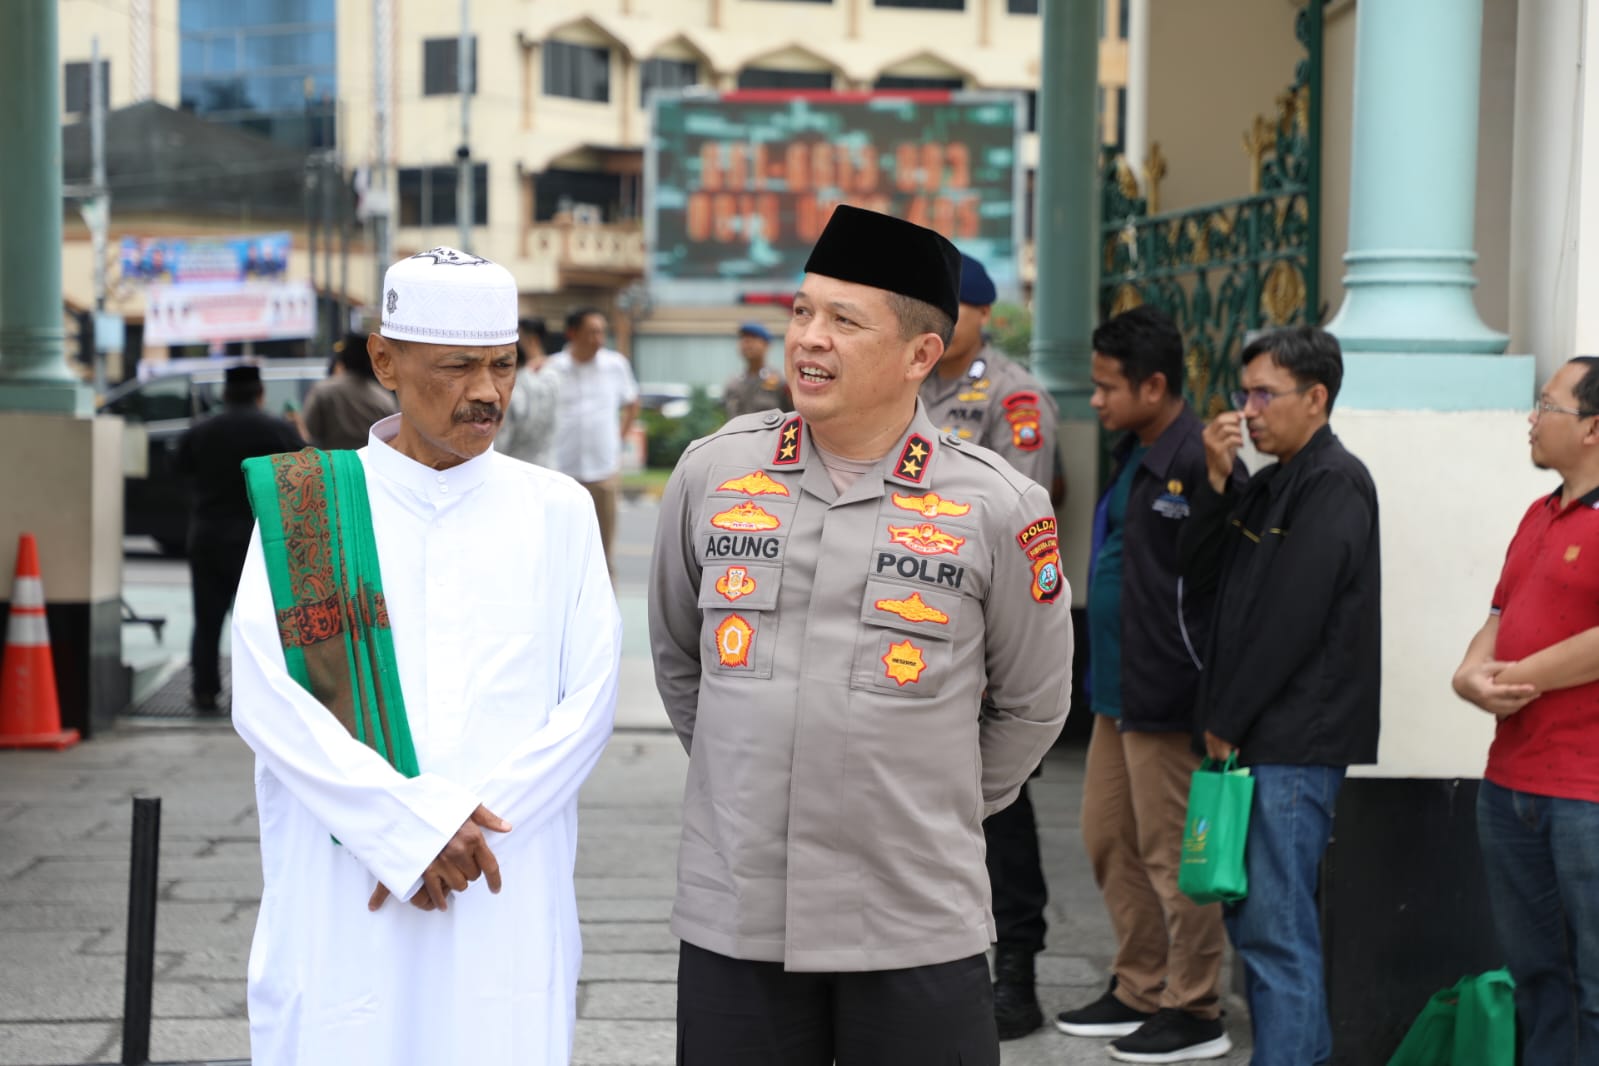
508 639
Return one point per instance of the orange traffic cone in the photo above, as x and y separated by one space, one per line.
30 713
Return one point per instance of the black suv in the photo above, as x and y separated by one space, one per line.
155 497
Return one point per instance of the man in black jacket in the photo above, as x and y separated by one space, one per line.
1293 674
1145 633
220 520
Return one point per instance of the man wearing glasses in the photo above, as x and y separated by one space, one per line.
1293 671
1534 665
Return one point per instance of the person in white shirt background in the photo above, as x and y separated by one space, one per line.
599 401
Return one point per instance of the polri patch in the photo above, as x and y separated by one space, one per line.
925 538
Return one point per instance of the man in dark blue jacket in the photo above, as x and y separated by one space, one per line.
1292 679
1145 633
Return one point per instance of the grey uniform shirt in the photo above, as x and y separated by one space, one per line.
999 405
849 726
745 394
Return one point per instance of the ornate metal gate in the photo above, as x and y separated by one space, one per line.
1225 269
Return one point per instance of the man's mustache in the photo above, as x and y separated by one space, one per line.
478 412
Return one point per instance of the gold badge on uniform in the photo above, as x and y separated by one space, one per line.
904 662
757 483
1572 553
735 583
931 505
748 515
733 639
926 539
914 609
912 465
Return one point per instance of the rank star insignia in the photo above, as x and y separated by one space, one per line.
748 515
931 505
926 539
734 638
788 443
757 483
912 464
914 609
735 583
905 663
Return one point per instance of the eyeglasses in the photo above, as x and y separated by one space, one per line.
1242 398
1544 407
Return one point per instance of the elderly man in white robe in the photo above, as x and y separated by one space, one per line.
424 696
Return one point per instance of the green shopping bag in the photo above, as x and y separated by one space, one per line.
1217 828
1471 1024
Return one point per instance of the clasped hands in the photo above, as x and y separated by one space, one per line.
1481 684
463 859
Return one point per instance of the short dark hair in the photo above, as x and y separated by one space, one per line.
242 393
352 354
918 316
1310 354
574 320
1145 342
538 330
1587 388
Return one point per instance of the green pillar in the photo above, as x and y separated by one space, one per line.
33 372
1066 219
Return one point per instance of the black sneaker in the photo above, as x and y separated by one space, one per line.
1173 1036
1106 1016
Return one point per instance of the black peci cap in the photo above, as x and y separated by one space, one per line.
885 252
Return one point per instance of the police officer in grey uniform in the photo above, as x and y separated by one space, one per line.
980 394
759 387
984 396
850 725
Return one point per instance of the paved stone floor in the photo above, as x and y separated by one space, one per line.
64 825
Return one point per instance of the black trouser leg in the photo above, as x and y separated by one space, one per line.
214 569
939 1015
733 1012
1016 876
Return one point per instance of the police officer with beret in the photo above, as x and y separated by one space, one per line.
759 387
850 725
980 394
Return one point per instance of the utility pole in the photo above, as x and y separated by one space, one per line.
463 154
379 207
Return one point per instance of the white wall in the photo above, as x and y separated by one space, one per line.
1451 489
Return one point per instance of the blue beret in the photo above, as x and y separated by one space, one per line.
977 288
754 329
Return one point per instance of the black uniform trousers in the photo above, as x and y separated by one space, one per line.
1016 876
216 559
732 1012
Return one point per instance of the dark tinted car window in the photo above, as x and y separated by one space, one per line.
156 401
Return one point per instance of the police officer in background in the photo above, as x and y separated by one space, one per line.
849 725
759 387
220 519
981 395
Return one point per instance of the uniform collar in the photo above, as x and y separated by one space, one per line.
909 462
438 487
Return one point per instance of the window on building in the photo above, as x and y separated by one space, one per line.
1031 104
1022 7
579 193
75 92
441 65
577 71
1120 144
427 195
926 5
667 74
896 81
768 78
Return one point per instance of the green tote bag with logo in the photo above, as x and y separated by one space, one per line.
1219 799
1471 1024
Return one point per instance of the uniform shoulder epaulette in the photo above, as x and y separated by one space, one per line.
1018 481
753 422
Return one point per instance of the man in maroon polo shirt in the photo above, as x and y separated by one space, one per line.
1534 665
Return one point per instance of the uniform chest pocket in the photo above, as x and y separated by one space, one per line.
906 645
739 631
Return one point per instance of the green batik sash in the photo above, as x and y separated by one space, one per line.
322 563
